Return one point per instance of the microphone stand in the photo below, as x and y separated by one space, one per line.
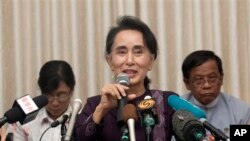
63 130
148 122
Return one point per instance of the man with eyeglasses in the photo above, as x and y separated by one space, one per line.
56 81
203 77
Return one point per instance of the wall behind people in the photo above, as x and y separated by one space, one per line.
35 31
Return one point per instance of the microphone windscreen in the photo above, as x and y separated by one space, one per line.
41 101
178 103
185 124
129 112
14 114
123 79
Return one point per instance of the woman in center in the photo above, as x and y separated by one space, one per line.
131 48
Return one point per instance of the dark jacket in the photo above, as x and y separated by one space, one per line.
108 130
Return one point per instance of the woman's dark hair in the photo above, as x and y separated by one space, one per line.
197 58
52 73
133 23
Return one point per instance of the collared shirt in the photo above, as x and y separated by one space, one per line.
108 130
33 130
223 111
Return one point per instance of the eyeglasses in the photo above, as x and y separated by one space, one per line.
62 97
200 81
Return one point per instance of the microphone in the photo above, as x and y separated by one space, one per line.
217 133
76 106
178 103
148 114
122 79
130 116
24 109
62 119
9 137
187 127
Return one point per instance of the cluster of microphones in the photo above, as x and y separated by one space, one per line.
189 122
25 109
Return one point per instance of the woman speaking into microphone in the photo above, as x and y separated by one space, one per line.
131 49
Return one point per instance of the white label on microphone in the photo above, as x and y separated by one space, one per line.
27 104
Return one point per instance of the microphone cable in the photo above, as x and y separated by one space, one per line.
44 132
72 139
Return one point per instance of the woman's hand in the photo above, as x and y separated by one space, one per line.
110 94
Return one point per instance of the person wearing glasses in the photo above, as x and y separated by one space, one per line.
203 77
57 82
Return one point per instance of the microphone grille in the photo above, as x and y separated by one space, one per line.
129 111
77 105
123 79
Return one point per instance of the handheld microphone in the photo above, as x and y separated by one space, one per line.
217 133
24 109
62 119
130 116
122 79
76 106
178 103
148 113
187 127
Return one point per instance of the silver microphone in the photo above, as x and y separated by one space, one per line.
76 106
130 116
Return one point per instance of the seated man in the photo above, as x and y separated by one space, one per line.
203 76
56 81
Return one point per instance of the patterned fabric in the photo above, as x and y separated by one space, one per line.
159 131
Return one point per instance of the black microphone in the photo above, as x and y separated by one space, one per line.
62 119
217 133
122 79
187 127
9 137
148 114
24 109
178 103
